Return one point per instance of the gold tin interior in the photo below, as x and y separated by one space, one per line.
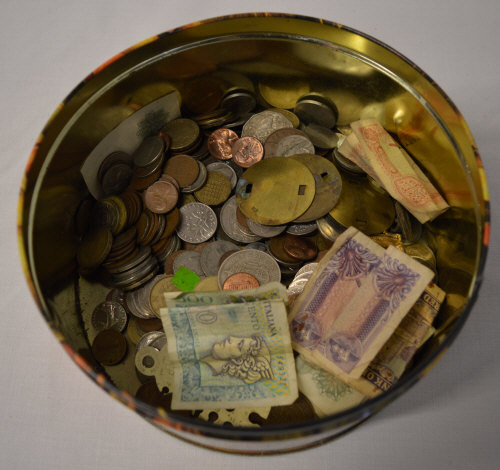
363 77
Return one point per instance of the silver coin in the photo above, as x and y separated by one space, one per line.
133 306
230 224
293 145
257 263
173 245
308 268
239 102
190 260
211 255
262 125
321 136
155 339
313 111
347 164
327 229
301 229
149 151
198 223
226 170
109 315
265 231
144 253
296 287
256 246
199 181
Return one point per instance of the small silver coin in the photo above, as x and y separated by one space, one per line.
198 223
149 152
301 229
226 170
294 145
230 224
199 181
211 255
265 231
321 136
155 339
190 260
109 315
260 265
263 124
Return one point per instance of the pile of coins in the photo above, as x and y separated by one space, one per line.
238 199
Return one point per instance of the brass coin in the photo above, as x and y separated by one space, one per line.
282 92
208 284
109 347
256 191
183 133
183 168
361 206
156 297
215 191
328 186
172 221
240 281
94 248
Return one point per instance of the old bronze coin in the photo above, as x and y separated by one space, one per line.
109 347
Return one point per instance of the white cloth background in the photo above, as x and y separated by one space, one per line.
53 417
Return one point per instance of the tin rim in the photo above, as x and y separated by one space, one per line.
193 425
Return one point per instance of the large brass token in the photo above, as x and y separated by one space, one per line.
328 186
275 191
281 92
362 206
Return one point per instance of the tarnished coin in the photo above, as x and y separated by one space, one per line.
239 101
410 227
149 152
109 347
300 248
329 230
94 248
274 139
263 124
225 256
328 186
321 136
247 151
257 263
183 133
265 231
317 109
256 191
294 145
183 168
231 226
215 191
147 325
276 247
198 223
207 284
240 281
211 255
200 180
161 197
363 207
190 260
220 143
301 229
292 117
111 159
346 164
226 170
116 178
109 315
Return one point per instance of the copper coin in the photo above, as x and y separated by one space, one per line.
220 143
242 219
276 247
183 168
109 347
300 248
170 179
172 221
161 197
240 281
247 151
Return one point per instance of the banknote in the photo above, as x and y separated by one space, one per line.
235 355
391 361
327 394
269 291
354 302
372 148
